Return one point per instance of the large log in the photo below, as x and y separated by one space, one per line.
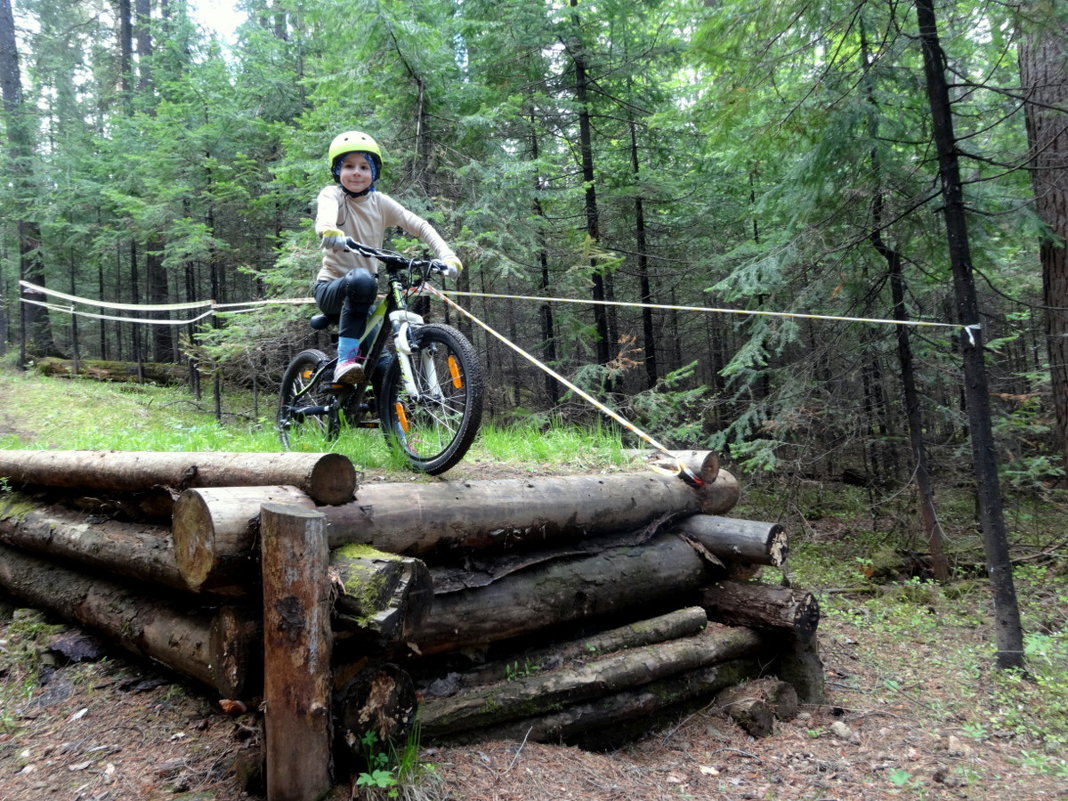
218 648
329 478
215 530
297 645
615 718
142 552
419 519
762 606
215 533
734 540
529 695
562 591
671 626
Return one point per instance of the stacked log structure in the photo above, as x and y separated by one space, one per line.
571 608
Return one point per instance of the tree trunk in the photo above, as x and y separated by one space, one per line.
995 542
913 412
600 314
545 311
566 590
648 331
371 697
1044 77
327 477
545 692
756 705
36 339
219 649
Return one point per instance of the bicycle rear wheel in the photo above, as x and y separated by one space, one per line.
308 417
435 427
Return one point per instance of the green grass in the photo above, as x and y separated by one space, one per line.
83 414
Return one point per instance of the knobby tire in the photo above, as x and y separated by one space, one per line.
306 432
434 430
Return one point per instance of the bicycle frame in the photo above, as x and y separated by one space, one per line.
393 306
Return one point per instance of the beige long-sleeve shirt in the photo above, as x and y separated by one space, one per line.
366 219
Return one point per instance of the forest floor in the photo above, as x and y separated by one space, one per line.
915 710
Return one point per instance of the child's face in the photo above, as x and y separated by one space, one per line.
355 172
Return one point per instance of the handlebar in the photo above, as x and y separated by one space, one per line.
398 261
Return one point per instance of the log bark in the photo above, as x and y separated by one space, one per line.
539 693
424 519
215 531
420 519
142 552
733 540
157 372
567 590
671 626
218 649
384 598
297 646
762 606
616 718
329 478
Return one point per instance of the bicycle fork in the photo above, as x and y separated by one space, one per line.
402 322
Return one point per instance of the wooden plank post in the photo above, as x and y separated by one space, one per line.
297 643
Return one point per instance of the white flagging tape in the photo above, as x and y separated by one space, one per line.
681 470
222 308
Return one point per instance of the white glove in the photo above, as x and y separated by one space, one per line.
454 267
334 239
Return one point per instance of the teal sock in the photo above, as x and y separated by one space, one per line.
348 348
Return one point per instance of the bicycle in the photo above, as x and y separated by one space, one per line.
423 386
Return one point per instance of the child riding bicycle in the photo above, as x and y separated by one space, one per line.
346 284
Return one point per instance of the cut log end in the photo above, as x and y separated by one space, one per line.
333 480
194 538
719 496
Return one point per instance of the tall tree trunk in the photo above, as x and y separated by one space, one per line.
36 329
995 543
600 313
913 411
161 336
648 332
1044 76
545 313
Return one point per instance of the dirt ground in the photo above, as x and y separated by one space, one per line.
115 729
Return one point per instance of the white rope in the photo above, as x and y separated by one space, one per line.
668 307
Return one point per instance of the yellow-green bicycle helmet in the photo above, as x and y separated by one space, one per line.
354 142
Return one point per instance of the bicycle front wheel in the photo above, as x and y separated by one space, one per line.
308 417
436 425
